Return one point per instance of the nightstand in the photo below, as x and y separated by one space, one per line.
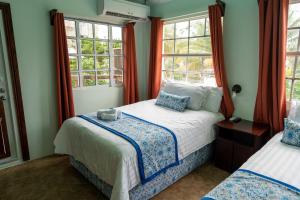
236 142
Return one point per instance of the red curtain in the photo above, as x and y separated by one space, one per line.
215 20
154 79
270 104
63 75
130 66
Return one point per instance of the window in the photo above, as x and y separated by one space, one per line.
187 52
95 52
292 68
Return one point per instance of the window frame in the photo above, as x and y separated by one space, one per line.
296 55
188 54
110 55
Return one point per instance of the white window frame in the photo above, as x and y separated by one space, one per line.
110 54
187 55
295 54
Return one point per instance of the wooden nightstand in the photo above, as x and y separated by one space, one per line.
236 142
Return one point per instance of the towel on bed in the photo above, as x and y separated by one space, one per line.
110 114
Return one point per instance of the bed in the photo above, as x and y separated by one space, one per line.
111 162
271 173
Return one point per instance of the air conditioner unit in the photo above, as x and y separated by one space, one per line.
123 9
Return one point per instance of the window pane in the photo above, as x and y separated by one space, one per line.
294 15
117 77
73 63
200 64
118 62
296 92
181 46
101 31
87 62
288 86
70 28
194 64
292 40
197 27
116 33
72 46
179 76
101 47
87 46
89 78
86 30
194 77
75 79
168 31
102 62
182 29
180 64
289 67
167 75
117 48
168 47
167 63
200 45
207 30
103 77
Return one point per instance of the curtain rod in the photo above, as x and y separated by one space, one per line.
52 13
222 5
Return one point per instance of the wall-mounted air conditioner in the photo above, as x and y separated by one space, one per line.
123 9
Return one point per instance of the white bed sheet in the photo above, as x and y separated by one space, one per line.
278 161
114 160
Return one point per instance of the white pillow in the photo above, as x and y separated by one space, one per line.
198 94
214 99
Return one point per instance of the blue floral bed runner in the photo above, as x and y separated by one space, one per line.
156 146
248 185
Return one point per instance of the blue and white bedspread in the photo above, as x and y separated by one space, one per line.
156 146
248 185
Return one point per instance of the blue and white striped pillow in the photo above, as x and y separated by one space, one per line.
175 102
291 133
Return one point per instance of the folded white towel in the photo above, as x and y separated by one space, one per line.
109 114
106 111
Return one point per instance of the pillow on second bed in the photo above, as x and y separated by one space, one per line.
175 102
197 94
291 133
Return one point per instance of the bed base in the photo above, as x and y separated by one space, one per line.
159 183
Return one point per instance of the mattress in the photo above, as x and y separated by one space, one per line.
278 161
271 173
114 160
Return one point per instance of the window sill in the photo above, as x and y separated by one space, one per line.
97 87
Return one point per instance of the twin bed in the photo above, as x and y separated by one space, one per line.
271 173
112 162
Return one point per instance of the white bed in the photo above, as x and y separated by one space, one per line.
114 160
271 173
278 161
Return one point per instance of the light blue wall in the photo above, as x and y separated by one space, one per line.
240 43
34 43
